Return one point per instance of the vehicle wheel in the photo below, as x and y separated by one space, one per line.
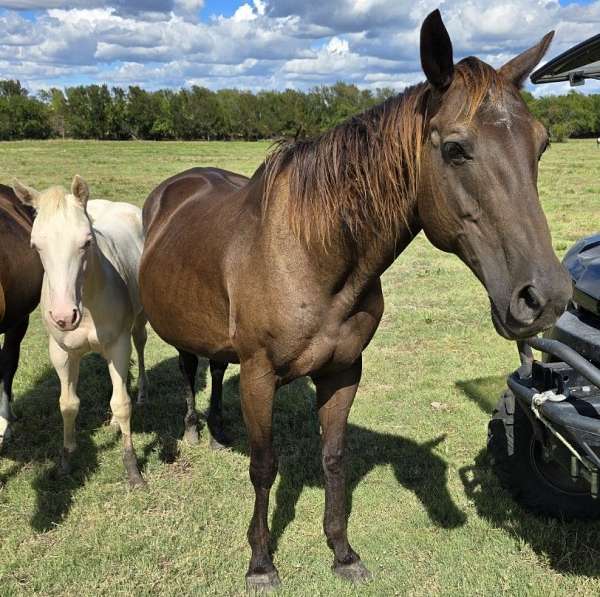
544 488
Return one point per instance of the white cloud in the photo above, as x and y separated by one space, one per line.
265 43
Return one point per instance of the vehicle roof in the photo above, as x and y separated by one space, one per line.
576 65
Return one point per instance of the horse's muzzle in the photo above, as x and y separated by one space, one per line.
66 320
533 308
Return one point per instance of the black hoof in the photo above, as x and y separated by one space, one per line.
262 583
356 572
65 462
220 443
191 436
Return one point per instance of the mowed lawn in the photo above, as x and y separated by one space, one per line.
428 517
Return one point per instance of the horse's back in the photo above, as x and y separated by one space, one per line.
120 237
194 184
21 271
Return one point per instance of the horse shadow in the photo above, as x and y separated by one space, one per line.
568 547
297 441
164 411
37 439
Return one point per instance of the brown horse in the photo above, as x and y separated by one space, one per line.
21 276
281 273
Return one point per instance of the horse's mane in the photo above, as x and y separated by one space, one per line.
362 176
53 199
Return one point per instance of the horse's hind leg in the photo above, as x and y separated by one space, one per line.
67 368
140 336
257 384
335 394
188 363
118 355
218 438
9 359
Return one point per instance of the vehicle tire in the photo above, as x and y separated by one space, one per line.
516 456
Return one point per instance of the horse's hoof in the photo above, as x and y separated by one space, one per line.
222 443
356 572
137 482
5 431
191 436
5 437
65 463
262 583
133 472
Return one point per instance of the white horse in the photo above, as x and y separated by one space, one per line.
90 302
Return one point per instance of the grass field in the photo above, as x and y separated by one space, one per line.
427 517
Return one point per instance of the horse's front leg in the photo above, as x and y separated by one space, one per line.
66 365
257 386
9 358
118 355
335 394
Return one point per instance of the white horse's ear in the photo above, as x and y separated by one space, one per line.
80 190
25 194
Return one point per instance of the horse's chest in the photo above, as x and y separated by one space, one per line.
87 337
339 343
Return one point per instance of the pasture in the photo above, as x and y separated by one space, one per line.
428 517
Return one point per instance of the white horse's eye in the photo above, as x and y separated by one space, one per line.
86 244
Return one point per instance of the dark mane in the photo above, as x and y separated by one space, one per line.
363 175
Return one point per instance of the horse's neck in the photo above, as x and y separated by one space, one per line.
350 272
372 259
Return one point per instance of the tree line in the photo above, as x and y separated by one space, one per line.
197 113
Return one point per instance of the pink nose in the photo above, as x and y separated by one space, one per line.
66 318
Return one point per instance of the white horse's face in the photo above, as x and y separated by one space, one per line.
62 235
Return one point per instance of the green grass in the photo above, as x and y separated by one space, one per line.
428 517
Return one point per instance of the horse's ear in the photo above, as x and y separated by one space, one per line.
436 52
25 194
80 190
519 68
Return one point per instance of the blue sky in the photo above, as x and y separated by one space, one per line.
223 7
266 44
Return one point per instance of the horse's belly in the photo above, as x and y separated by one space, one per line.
195 324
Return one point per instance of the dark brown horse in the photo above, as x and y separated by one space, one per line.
21 276
281 273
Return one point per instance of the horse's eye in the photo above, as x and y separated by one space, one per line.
87 243
454 152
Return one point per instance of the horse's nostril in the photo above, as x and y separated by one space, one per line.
74 316
531 297
527 304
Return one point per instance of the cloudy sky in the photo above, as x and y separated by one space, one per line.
265 44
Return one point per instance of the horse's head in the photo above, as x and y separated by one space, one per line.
478 193
62 234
